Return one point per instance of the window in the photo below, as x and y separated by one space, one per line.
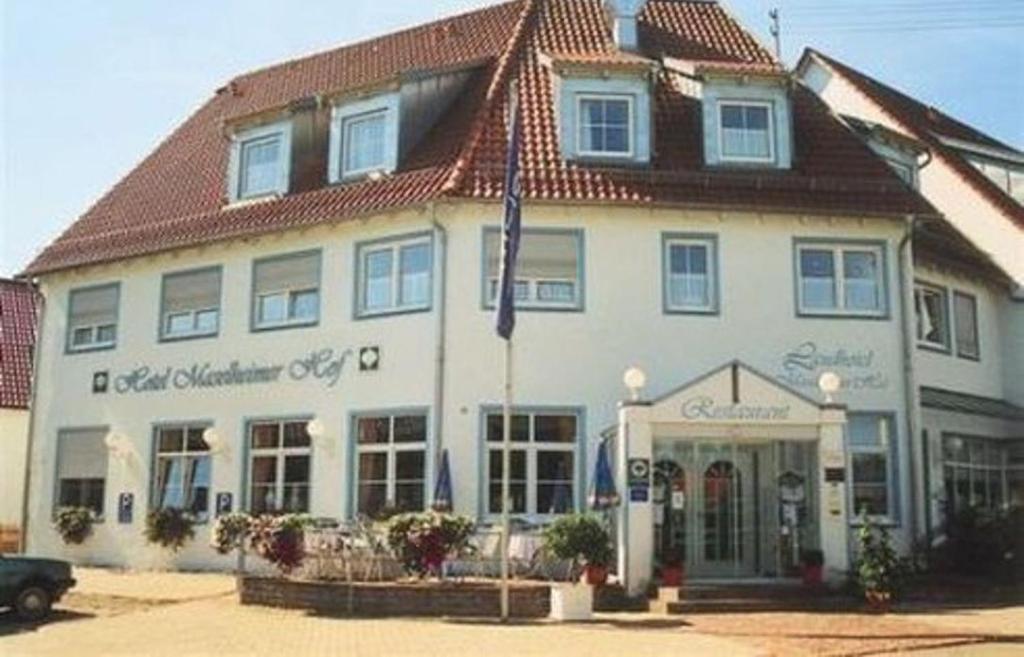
982 473
965 313
542 462
394 276
690 273
81 468
92 318
260 161
747 133
871 445
605 126
840 279
363 143
181 470
932 316
549 271
391 460
279 467
1008 177
903 170
286 290
190 304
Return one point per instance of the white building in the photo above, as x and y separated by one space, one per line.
288 304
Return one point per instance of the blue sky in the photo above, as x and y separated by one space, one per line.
89 88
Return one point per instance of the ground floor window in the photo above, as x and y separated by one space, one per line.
871 445
279 466
391 457
982 473
181 472
81 468
542 462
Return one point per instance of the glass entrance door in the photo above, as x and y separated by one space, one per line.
726 515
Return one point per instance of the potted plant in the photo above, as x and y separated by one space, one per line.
74 524
878 569
423 541
169 527
280 540
812 564
673 568
583 541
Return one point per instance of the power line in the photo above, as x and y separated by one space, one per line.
927 7
914 28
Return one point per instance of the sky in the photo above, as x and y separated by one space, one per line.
87 89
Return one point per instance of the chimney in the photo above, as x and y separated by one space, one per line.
623 14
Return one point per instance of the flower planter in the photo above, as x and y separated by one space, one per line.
572 602
672 576
596 575
811 575
878 601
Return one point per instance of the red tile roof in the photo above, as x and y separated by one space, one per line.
175 197
18 307
929 124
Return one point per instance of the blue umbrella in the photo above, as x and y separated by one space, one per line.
602 489
443 489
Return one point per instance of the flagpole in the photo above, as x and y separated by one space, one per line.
505 480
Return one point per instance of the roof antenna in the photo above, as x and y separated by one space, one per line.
776 32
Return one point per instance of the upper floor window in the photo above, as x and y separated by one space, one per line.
1008 177
542 462
181 472
92 317
871 445
903 170
965 312
605 125
364 137
746 132
391 456
394 276
845 279
190 304
279 467
286 290
81 469
932 316
260 161
549 272
690 274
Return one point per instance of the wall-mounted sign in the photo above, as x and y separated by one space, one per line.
835 475
638 473
705 408
857 368
639 494
324 365
223 504
100 381
125 507
369 359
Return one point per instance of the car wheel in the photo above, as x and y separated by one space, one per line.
33 602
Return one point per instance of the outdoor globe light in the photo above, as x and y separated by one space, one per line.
829 383
118 445
635 380
213 440
315 428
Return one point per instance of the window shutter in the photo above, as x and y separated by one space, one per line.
82 454
548 255
94 306
292 272
193 290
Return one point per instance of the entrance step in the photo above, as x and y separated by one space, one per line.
613 597
746 597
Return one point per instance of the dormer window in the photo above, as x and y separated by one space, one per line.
260 159
746 132
364 137
605 126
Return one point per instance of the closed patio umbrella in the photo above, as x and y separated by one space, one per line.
443 489
602 495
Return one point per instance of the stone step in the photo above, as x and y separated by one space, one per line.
746 605
612 597
753 591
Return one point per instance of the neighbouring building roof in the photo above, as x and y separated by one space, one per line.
959 402
176 196
18 308
936 129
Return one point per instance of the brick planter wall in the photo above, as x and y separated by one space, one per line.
466 599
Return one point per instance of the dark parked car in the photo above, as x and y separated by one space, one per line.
32 585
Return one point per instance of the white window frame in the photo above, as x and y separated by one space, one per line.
94 343
630 126
920 287
531 447
734 102
838 250
709 243
885 449
279 453
972 469
282 130
195 331
391 449
395 247
531 301
290 296
346 123
184 453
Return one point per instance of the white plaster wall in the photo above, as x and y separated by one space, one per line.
561 358
13 443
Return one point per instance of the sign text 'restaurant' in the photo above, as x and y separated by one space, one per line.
705 408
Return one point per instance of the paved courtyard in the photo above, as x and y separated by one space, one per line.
142 614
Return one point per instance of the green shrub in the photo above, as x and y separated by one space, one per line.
878 568
983 543
230 532
169 527
74 524
579 538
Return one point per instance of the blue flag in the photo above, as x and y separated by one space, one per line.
510 237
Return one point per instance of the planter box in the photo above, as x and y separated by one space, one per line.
572 602
480 599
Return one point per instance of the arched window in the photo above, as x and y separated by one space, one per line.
723 512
